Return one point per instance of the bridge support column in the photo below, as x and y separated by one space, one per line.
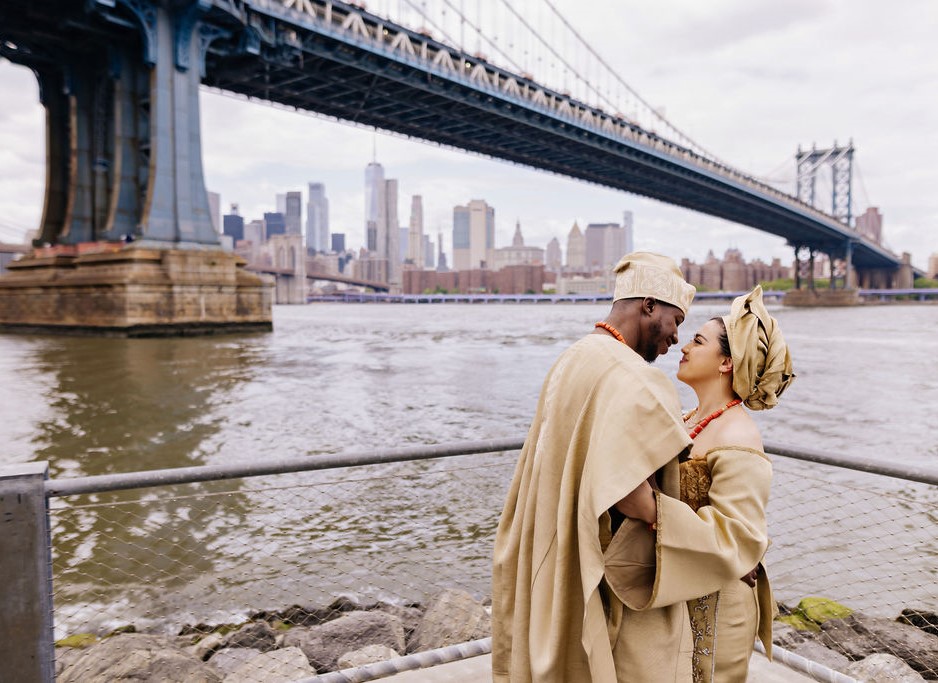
125 190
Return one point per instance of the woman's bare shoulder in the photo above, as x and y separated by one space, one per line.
738 429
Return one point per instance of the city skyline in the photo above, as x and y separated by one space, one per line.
779 78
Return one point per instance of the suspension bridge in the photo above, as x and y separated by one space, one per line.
120 79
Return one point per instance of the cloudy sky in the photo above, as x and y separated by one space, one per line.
749 81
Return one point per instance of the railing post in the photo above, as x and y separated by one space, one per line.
27 648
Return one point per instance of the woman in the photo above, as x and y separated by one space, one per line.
740 359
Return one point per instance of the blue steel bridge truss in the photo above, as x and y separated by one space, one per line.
339 60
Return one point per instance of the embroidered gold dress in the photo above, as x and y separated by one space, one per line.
725 623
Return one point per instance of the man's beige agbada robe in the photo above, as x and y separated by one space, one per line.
570 602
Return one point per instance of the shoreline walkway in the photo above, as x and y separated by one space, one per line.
479 670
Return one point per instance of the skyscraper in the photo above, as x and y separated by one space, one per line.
576 249
214 209
317 218
629 245
293 213
233 225
553 257
415 242
274 224
605 245
473 235
374 186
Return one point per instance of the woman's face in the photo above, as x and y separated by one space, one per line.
701 357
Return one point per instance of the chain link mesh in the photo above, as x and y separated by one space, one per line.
195 563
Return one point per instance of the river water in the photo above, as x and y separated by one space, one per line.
334 377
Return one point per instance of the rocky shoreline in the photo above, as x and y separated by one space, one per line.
299 642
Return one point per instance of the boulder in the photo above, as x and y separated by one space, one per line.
324 644
786 636
226 661
452 617
858 636
820 610
813 650
257 635
409 615
927 621
206 646
366 655
279 666
136 657
882 667
65 657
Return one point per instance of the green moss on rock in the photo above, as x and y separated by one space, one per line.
798 621
822 609
79 640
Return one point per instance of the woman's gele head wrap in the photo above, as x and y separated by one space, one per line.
761 362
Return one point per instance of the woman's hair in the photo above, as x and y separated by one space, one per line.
723 338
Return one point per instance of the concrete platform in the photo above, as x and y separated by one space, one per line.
479 670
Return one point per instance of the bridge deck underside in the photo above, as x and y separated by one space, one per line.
347 82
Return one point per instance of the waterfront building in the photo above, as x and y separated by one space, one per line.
214 210
293 214
733 273
576 250
870 224
415 241
516 279
233 225
473 235
605 245
317 219
933 266
553 259
601 283
517 254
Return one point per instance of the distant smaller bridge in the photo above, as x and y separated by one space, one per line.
361 297
328 277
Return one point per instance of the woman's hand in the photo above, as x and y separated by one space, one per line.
640 504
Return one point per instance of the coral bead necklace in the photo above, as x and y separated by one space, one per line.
611 330
699 427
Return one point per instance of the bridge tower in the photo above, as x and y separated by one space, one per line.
125 243
839 160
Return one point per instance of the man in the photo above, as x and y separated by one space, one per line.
579 593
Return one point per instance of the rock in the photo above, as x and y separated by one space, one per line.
408 614
324 644
206 646
452 617
813 650
65 657
820 610
79 640
139 658
882 667
366 655
228 660
279 666
927 621
785 635
798 622
858 636
257 635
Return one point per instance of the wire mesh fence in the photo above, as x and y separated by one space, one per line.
282 577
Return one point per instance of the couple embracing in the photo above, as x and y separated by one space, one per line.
630 546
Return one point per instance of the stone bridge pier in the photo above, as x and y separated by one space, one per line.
125 244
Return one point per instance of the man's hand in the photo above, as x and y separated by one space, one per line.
750 578
640 504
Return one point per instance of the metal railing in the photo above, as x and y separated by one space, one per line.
299 542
